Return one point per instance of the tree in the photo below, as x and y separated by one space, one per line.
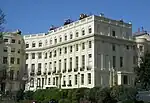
20 95
123 93
2 19
143 72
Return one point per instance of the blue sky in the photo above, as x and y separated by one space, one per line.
34 16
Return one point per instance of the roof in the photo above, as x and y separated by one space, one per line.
140 33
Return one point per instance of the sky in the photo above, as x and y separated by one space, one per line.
36 16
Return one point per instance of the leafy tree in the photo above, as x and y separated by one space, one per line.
93 95
64 101
105 96
143 72
28 95
20 95
78 94
123 93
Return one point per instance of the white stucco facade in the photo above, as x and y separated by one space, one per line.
142 39
94 51
12 62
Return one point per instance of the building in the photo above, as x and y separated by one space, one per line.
93 51
142 39
12 59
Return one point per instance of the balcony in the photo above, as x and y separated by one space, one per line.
39 73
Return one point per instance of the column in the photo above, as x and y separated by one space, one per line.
73 58
79 56
68 59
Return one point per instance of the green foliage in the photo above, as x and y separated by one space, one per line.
64 101
84 95
123 93
143 72
28 95
20 95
